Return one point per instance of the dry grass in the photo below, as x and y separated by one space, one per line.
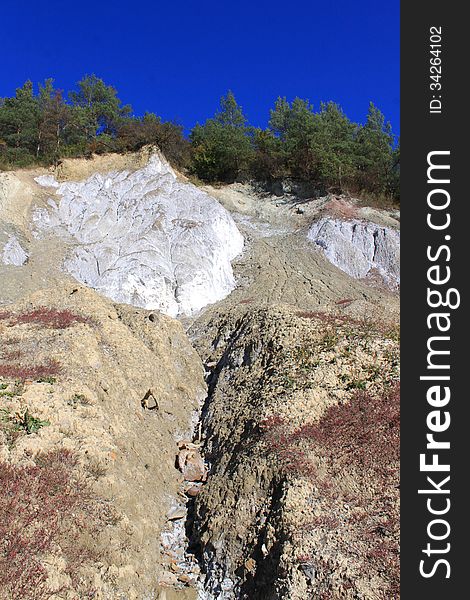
339 208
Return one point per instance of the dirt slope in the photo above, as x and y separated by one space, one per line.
118 387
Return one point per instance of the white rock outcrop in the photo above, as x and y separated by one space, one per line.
47 181
13 253
358 247
145 238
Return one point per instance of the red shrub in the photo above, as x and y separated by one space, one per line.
52 318
339 208
365 431
30 372
360 439
43 507
325 317
345 302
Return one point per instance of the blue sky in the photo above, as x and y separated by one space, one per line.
177 58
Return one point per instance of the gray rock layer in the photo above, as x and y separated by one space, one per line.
145 238
13 253
358 247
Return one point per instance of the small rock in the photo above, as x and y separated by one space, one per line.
309 571
186 579
250 565
186 444
191 464
149 402
13 253
178 512
193 490
167 579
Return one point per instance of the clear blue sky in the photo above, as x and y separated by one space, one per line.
176 58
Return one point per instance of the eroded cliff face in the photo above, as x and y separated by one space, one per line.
289 511
359 247
145 238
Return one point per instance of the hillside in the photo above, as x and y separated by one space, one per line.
216 366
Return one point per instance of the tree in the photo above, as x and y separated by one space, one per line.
230 113
19 118
98 109
295 125
269 160
333 144
222 147
375 143
136 132
54 120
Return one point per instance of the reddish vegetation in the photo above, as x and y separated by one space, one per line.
359 439
32 372
46 317
366 432
13 355
364 325
44 507
338 208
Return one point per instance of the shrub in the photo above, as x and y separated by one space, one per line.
49 317
44 507
27 423
31 372
361 439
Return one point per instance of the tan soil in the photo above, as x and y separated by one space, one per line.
110 365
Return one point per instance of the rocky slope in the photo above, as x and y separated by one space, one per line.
265 494
276 519
145 238
359 248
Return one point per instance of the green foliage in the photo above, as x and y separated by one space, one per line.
136 132
20 422
27 423
375 152
334 146
100 109
50 380
42 127
222 147
322 148
18 124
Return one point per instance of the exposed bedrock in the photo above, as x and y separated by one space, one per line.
359 248
145 238
13 253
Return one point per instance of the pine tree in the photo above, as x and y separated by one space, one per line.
222 147
19 118
375 142
98 108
